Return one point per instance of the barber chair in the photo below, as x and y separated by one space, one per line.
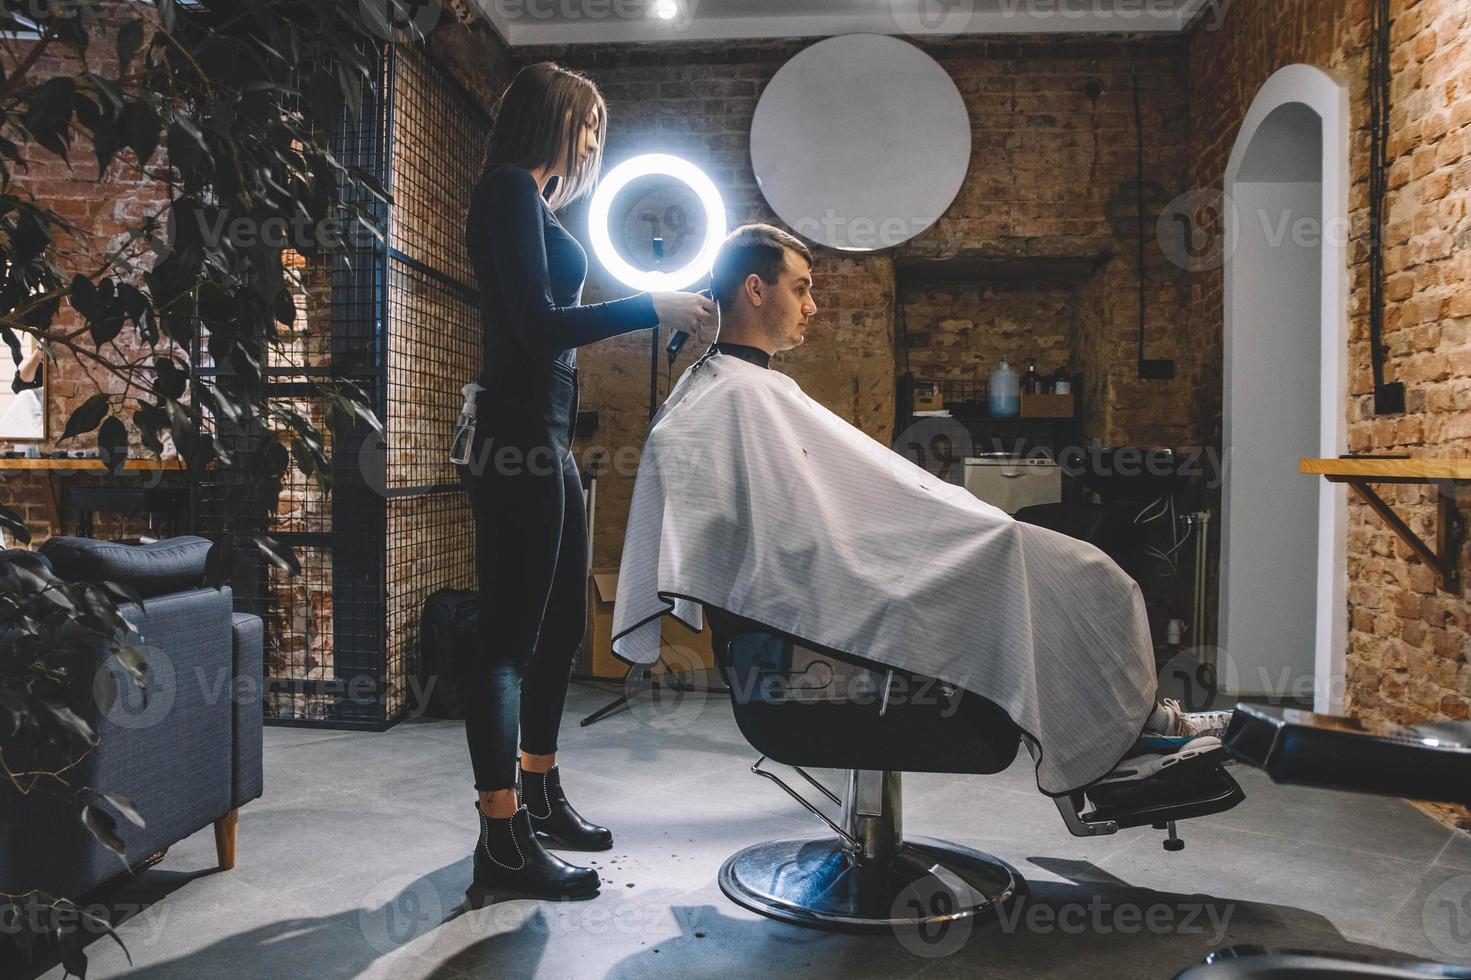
807 707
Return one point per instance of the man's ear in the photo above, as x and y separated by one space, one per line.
754 288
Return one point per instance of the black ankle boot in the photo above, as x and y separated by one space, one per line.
552 817
510 862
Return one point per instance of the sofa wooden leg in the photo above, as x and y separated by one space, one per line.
225 839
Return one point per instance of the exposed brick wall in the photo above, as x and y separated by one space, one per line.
1408 644
962 331
100 210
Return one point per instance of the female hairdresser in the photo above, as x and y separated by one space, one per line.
525 491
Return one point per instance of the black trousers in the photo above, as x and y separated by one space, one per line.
531 553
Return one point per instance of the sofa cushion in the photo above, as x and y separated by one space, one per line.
156 568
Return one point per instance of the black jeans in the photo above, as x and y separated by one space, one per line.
531 558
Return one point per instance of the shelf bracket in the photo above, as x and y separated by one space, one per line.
1449 528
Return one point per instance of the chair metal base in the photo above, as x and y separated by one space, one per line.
817 882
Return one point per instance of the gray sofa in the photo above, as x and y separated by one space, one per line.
189 758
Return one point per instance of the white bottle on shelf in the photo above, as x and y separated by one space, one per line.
1004 397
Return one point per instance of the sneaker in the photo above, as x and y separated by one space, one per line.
1209 722
1153 754
1178 722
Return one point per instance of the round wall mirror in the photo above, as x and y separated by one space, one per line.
860 142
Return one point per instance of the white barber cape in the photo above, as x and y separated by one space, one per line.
756 499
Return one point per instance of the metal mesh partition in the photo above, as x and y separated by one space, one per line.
399 320
324 626
433 345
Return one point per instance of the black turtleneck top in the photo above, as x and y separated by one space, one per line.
530 272
745 352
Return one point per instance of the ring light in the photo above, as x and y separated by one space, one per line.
647 165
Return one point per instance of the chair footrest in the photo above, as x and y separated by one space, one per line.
1196 788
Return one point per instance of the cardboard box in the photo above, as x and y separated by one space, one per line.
927 399
1047 406
681 647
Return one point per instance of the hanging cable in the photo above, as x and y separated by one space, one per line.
1388 398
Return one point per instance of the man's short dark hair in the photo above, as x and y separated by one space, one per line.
751 248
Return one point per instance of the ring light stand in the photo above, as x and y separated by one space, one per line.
653 280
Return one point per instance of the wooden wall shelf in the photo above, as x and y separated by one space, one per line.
87 465
1452 481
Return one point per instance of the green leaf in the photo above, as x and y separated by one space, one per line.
148 420
49 111
133 301
104 828
134 660
15 524
181 427
96 924
112 444
87 417
105 329
104 143
217 563
104 690
326 100
140 129
71 721
84 298
73 959
279 554
171 381
129 40
123 805
188 152
285 306
109 91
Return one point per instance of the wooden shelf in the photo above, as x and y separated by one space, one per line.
1450 477
84 465
1391 470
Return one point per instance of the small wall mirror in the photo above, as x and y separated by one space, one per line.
22 390
860 142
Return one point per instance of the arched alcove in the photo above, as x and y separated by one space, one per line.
1283 573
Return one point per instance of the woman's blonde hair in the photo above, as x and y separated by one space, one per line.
538 122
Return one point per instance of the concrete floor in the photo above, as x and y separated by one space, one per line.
354 864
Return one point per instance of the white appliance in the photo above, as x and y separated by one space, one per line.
1013 482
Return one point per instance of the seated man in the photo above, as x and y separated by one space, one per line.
753 498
